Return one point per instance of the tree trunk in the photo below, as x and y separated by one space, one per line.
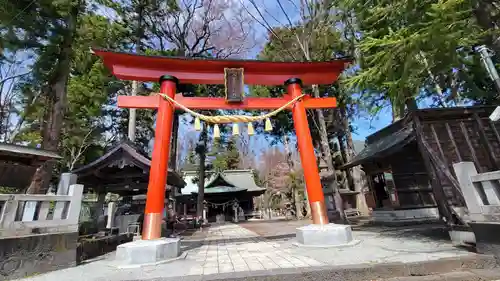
298 202
482 13
398 110
307 205
201 150
132 114
356 175
409 100
174 143
346 174
439 91
411 104
57 103
394 111
139 32
327 153
291 165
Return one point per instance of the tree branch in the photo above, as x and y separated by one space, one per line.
75 155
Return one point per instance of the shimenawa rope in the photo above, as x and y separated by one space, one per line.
223 119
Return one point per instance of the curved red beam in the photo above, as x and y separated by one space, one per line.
128 66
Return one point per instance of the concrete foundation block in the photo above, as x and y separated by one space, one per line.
145 252
329 235
462 238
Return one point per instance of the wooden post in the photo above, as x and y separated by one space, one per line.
486 143
155 198
307 157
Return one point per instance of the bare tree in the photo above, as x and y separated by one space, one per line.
282 175
75 152
294 179
11 73
303 20
202 27
247 153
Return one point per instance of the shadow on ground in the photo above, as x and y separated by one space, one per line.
285 230
431 232
193 244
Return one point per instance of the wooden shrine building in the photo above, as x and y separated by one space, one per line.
409 163
123 170
19 163
224 192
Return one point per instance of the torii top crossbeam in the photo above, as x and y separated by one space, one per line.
128 66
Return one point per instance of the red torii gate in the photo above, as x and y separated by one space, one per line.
211 71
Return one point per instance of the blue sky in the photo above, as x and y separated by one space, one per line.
367 126
278 16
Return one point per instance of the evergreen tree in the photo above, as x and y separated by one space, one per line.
407 47
48 29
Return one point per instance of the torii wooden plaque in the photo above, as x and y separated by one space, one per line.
235 86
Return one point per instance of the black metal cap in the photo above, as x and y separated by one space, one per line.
293 81
169 78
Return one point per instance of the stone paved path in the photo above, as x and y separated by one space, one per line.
233 248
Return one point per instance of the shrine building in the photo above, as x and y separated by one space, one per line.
228 195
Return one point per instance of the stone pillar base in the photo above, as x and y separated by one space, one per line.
147 252
462 236
328 235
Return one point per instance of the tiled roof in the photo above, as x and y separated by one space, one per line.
235 180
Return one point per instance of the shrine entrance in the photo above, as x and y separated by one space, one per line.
234 74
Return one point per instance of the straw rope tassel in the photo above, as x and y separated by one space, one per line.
268 127
216 131
220 119
250 129
197 124
236 129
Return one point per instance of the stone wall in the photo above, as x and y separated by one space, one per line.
94 247
35 254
